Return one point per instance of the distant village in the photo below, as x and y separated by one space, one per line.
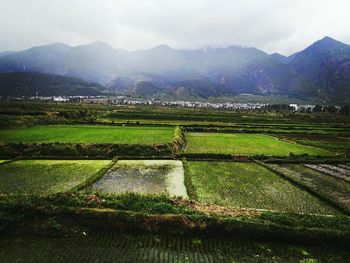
123 100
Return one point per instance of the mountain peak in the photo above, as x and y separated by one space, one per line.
327 42
328 39
322 46
97 45
55 46
279 57
162 47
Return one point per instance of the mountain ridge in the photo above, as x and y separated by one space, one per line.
322 70
17 84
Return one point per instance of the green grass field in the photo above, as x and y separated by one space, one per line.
246 144
250 185
46 176
89 134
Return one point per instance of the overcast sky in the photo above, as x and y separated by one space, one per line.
283 26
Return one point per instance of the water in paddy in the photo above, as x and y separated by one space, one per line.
144 176
108 247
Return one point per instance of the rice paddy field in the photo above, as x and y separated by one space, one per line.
331 187
249 185
109 247
88 134
332 170
145 177
246 144
44 177
169 172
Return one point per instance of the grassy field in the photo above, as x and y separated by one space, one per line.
89 134
246 144
145 177
250 185
46 176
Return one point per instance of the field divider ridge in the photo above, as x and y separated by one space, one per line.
8 161
94 177
191 191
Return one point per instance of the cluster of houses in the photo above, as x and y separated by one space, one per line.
123 100
189 104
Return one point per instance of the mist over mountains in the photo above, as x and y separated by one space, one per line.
320 71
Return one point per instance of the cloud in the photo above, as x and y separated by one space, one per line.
271 25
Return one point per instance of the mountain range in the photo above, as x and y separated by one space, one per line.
321 71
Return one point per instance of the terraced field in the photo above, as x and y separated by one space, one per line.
108 247
145 177
250 185
45 177
89 134
246 144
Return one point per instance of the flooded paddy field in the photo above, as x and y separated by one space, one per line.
250 185
109 247
145 177
46 177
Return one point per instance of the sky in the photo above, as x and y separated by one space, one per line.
283 26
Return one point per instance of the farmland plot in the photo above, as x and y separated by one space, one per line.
250 185
46 176
146 177
89 134
331 170
246 144
331 188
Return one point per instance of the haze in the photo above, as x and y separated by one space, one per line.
272 25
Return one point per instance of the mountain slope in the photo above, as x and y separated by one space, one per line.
45 59
29 83
327 64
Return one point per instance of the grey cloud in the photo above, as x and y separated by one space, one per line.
271 25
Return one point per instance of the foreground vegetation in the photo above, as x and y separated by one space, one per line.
75 212
107 247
